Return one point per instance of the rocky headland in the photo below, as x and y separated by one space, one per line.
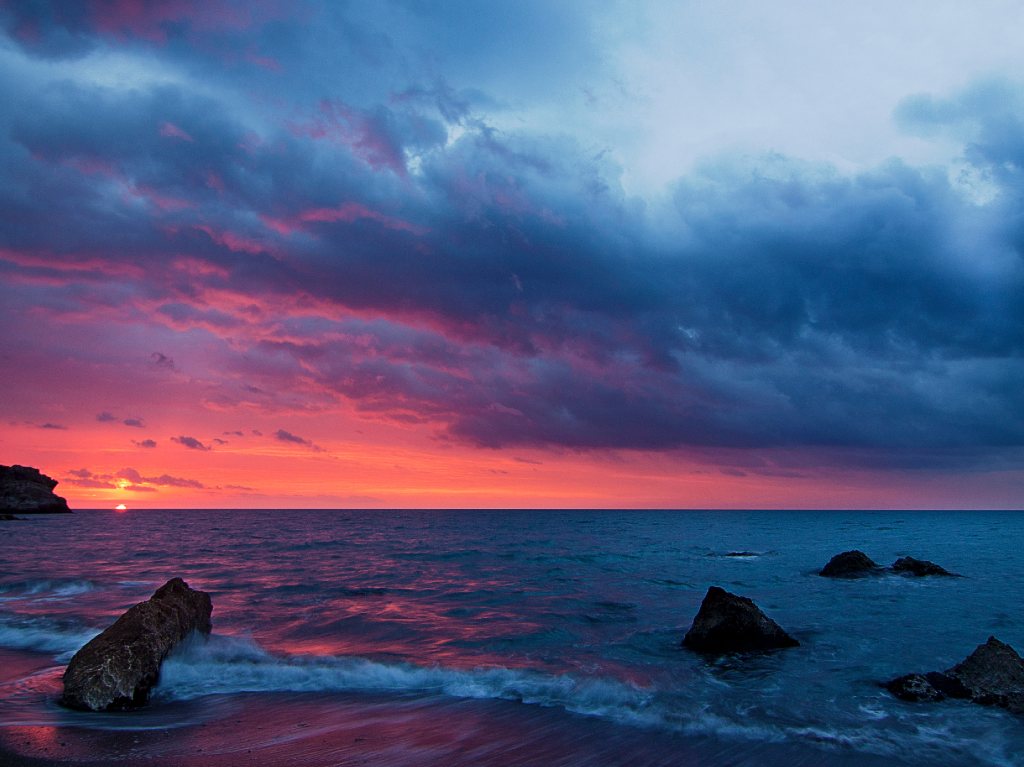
117 669
25 490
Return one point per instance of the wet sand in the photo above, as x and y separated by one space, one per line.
316 730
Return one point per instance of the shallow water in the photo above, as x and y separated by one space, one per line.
555 633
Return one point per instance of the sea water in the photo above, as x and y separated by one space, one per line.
514 637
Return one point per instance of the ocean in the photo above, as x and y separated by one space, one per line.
511 637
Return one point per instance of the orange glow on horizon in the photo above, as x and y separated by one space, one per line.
348 462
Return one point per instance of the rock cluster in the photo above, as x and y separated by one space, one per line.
730 623
854 564
24 490
992 675
117 669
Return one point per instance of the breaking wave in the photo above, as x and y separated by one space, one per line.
231 665
224 664
62 639
47 587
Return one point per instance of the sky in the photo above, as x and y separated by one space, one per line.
514 254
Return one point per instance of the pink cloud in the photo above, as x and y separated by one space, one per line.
346 213
147 20
362 133
170 130
162 201
232 241
214 181
75 266
266 62
92 166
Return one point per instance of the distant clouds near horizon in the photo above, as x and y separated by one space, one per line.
559 254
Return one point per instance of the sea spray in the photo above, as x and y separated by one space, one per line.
229 664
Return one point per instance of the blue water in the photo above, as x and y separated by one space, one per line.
557 633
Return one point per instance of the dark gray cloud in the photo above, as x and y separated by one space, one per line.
502 287
190 442
286 436
140 483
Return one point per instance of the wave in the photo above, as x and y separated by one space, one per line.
63 639
50 587
227 665
231 665
739 554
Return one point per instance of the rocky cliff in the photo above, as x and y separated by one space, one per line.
24 490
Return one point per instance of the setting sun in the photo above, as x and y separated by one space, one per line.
120 507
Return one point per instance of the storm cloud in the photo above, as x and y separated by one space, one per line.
390 249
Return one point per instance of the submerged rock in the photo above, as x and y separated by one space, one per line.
25 490
849 564
992 675
7 517
730 623
117 669
919 567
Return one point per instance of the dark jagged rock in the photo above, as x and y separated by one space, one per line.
730 623
849 564
24 490
919 567
992 675
933 686
7 517
117 669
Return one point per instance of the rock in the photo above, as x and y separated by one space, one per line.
919 567
933 686
913 687
729 623
7 517
992 675
24 490
849 564
117 669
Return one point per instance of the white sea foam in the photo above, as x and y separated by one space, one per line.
45 586
43 635
229 665
225 664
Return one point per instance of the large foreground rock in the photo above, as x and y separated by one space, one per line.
24 490
730 623
992 675
918 567
849 564
118 668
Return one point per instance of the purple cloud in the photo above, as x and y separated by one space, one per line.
285 436
190 442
